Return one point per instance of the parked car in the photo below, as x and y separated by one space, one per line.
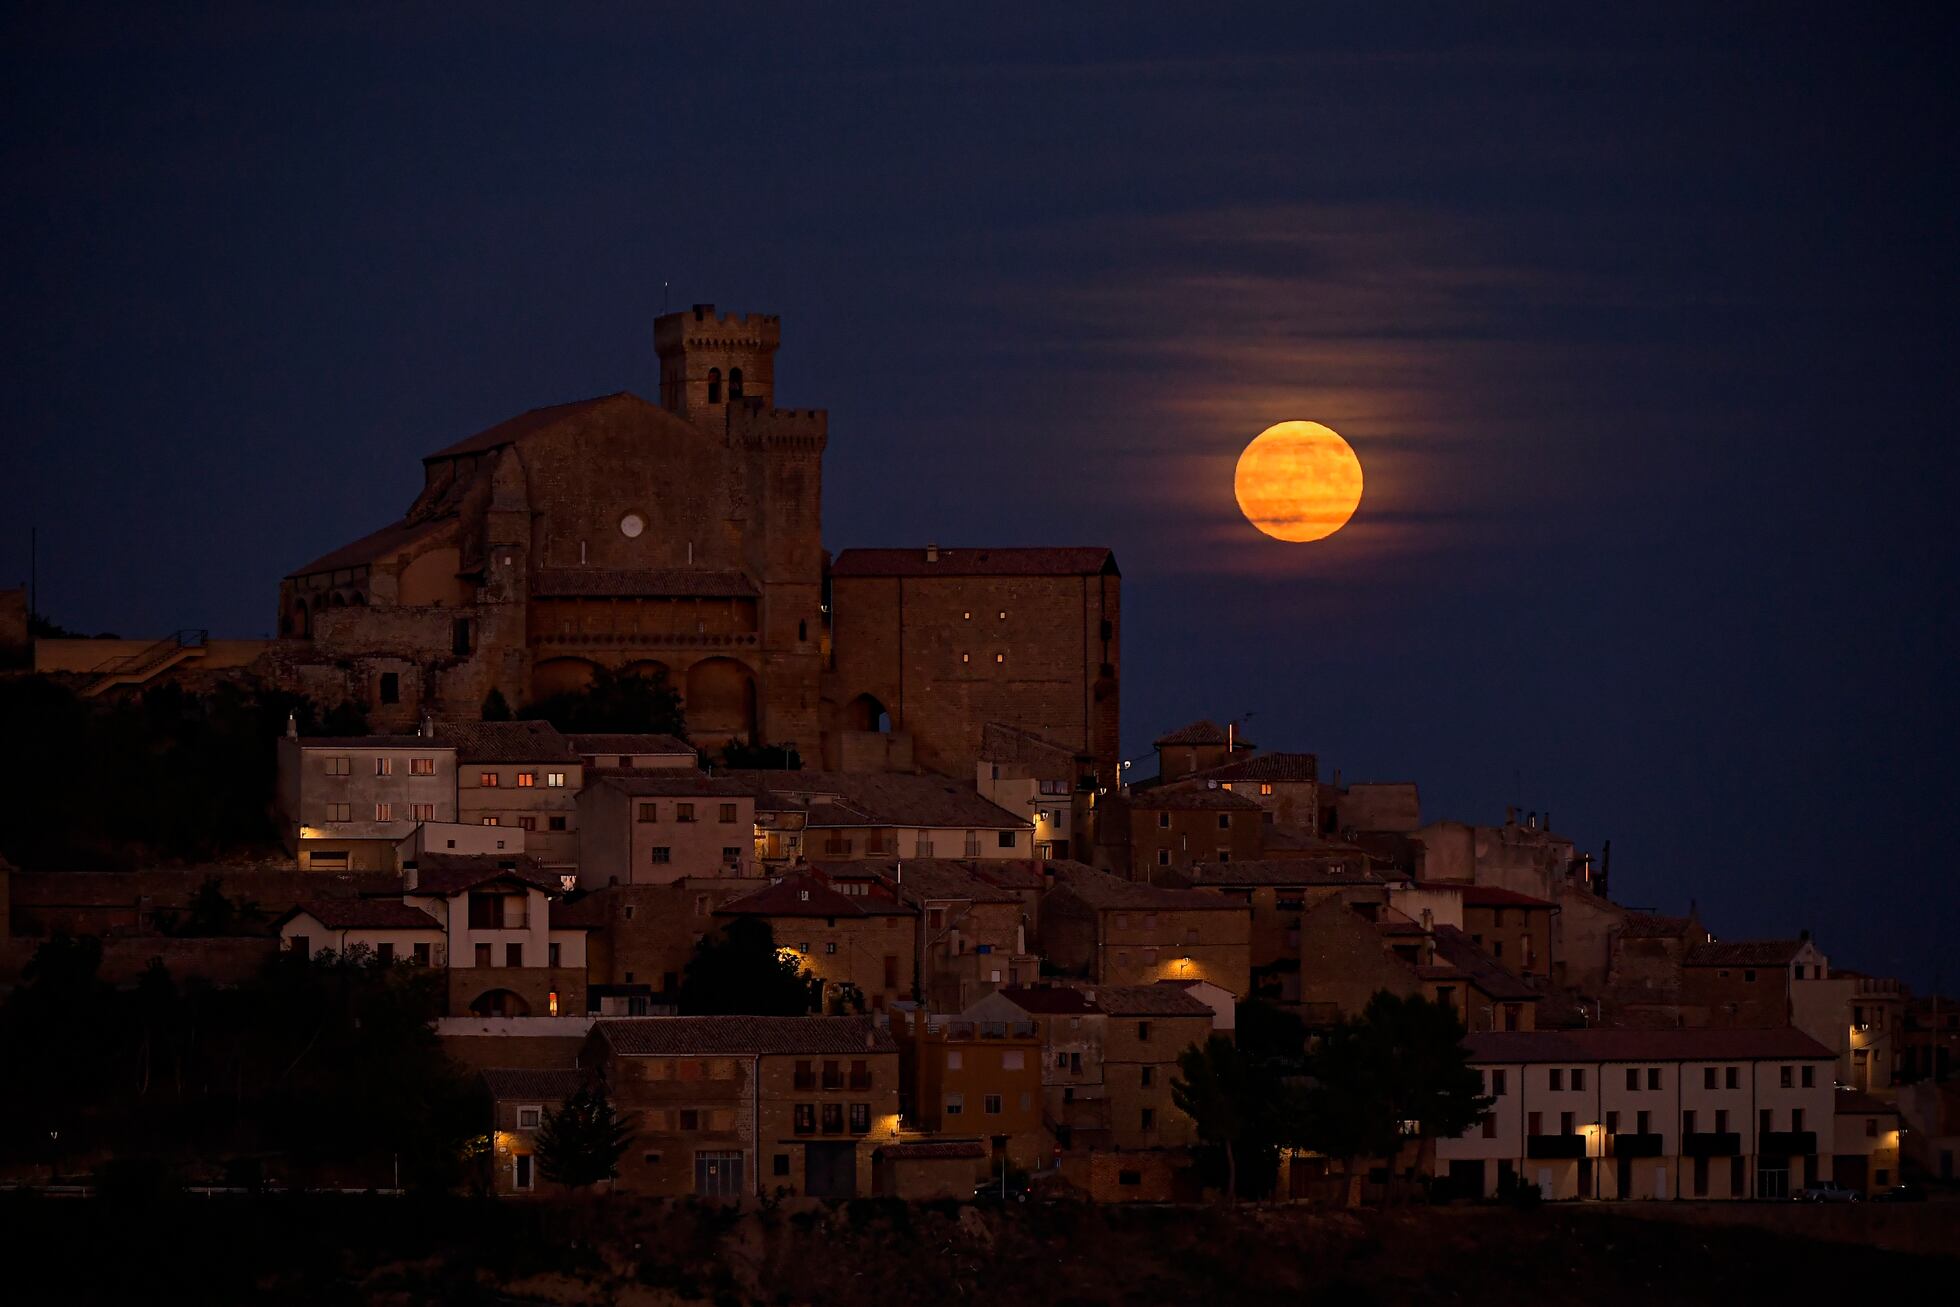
1900 1193
1828 1191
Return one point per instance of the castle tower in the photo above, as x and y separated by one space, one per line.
708 361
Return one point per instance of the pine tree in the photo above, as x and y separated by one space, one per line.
581 1143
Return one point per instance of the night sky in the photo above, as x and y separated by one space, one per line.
1642 326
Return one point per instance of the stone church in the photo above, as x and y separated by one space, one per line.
686 537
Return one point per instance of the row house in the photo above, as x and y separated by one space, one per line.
519 1099
1285 785
522 775
1108 1056
1276 891
344 803
731 1107
1748 982
662 825
974 1078
1514 929
1173 828
485 920
1866 1148
863 942
889 815
1862 1017
633 752
1111 931
1198 747
1640 1114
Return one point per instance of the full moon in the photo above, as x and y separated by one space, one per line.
1298 481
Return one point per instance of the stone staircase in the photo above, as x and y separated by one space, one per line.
147 664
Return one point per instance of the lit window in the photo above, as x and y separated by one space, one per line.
384 766
422 811
528 1117
526 780
489 821
421 766
384 812
1265 787
1000 657
554 780
488 780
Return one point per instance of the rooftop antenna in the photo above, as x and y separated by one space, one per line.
33 578
663 299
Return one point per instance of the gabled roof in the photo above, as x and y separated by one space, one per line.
1608 1044
1202 731
534 1084
1183 796
1148 1001
1479 967
1282 872
517 741
372 547
422 742
1744 953
1486 896
600 582
363 914
453 873
1105 892
1654 925
804 894
885 799
1065 561
511 430
589 743
923 880
696 1036
1280 767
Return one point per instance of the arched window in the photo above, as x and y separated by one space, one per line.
714 385
734 383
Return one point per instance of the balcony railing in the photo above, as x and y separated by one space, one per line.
1711 1143
833 1080
1637 1145
1555 1146
1787 1143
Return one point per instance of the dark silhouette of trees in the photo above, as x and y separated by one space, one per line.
1246 1096
615 701
581 1143
741 972
496 708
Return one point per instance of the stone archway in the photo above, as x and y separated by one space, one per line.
721 698
866 713
500 1003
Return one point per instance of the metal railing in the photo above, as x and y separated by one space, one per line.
164 649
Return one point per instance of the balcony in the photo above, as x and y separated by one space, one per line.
1787 1143
1555 1146
1636 1145
1711 1143
833 1079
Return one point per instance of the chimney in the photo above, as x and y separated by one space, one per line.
1429 919
292 726
428 728
932 553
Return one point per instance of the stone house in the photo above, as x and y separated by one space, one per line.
506 956
975 921
1747 982
343 803
1277 891
1196 748
733 1107
1861 1016
978 1078
520 774
1148 1027
1286 785
628 752
659 826
1025 772
1176 828
1115 932
1865 1142
389 929
1070 1028
519 1099
848 816
641 937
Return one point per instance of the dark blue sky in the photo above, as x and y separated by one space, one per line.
1641 323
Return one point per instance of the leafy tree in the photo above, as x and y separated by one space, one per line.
581 1143
846 999
1397 1069
496 708
741 972
615 701
1216 1086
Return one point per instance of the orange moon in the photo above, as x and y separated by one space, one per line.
1298 481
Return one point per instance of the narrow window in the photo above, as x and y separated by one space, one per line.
714 385
734 383
391 687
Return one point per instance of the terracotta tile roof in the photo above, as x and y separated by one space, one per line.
1203 731
579 582
532 1084
1046 759
1048 1000
918 880
1486 896
588 744
1743 953
364 914
1622 1045
932 1150
1182 796
520 741
372 547
1283 872
511 430
1264 767
422 742
1068 561
453 873
1653 925
804 894
885 799
590 912
1147 1001
685 1036
1105 892
1395 922
1479 967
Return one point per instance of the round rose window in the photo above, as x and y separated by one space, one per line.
631 525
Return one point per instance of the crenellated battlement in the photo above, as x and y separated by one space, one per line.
709 360
702 328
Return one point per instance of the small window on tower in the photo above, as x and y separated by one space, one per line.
714 385
734 383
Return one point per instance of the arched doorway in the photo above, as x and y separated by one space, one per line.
721 698
865 713
500 1003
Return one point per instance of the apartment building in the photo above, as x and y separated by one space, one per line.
731 1107
976 1078
1648 1114
1111 931
343 803
520 774
661 825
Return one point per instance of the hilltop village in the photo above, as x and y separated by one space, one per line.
822 875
